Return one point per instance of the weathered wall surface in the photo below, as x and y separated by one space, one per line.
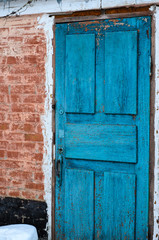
156 130
25 108
22 96
63 6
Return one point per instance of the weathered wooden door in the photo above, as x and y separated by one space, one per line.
102 129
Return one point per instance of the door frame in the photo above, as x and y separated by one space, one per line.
113 14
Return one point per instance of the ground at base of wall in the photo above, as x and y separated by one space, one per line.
16 211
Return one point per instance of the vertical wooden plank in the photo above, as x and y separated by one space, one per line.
119 205
120 72
143 123
99 207
80 73
79 204
61 31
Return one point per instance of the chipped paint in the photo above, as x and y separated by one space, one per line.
46 23
156 130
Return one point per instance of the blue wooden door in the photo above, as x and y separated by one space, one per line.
102 129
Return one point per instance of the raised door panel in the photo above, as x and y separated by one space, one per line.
115 143
79 204
119 206
121 72
80 73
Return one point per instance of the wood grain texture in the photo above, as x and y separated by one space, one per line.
86 136
80 73
115 143
79 204
121 72
119 201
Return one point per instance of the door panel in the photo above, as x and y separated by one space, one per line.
102 129
79 210
121 71
115 143
119 205
80 49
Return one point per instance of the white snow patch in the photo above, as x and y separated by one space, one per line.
18 232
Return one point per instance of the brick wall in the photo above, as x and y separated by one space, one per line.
22 96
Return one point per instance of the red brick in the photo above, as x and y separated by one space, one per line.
2 181
4 126
17 89
11 60
15 39
33 99
12 155
13 164
41 49
3 191
31 59
29 89
16 117
39 177
3 144
29 147
34 40
33 166
25 156
28 49
13 193
2 152
23 108
14 136
35 186
35 118
2 99
40 68
37 156
39 128
4 107
35 78
40 147
2 80
20 175
15 146
1 135
40 108
14 79
22 69
2 116
34 137
27 194
16 98
4 89
29 127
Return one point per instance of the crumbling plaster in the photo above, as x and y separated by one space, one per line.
156 130
46 23
62 6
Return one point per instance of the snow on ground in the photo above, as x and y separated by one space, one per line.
18 232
